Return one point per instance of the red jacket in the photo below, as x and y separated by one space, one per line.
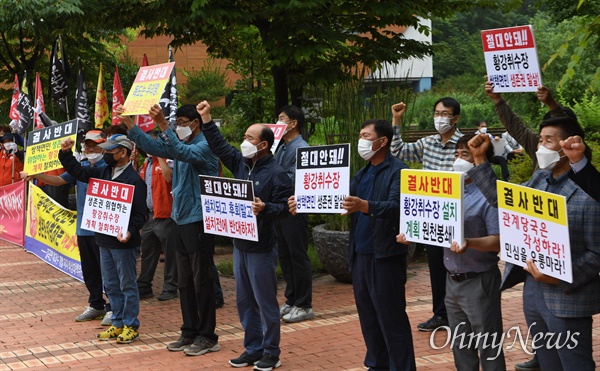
162 199
6 168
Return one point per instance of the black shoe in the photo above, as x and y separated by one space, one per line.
146 294
219 303
531 365
245 360
267 363
167 295
431 324
202 346
180 344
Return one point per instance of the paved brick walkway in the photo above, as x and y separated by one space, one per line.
38 304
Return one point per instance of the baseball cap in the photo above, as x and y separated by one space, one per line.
8 136
96 136
116 140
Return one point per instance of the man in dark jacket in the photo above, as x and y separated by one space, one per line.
254 262
117 254
377 261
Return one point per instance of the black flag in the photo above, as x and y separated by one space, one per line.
24 107
82 109
59 73
168 100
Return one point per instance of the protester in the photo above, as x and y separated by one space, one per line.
254 262
117 254
472 288
555 309
89 251
512 149
160 232
498 160
194 250
435 152
292 230
583 173
11 160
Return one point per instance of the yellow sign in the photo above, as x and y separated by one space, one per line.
147 88
532 202
43 146
431 183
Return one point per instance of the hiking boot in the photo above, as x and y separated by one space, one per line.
531 365
299 314
433 323
107 320
129 335
180 344
285 309
201 346
112 333
267 363
89 314
167 295
245 360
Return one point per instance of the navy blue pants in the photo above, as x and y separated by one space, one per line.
381 303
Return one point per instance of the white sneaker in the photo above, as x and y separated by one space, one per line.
89 314
299 314
285 309
107 320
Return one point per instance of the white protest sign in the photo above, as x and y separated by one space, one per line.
107 207
534 225
227 207
322 178
511 59
431 206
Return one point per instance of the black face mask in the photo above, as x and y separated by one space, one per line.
109 158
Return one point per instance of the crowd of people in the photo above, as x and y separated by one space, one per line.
466 282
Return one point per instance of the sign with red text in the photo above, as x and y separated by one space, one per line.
431 206
43 146
147 88
534 226
227 207
12 213
322 178
107 207
278 131
511 59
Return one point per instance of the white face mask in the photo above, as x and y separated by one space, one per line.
365 148
10 147
547 158
442 124
183 132
94 157
249 150
483 130
462 165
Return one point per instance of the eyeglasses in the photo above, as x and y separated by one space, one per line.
181 122
444 114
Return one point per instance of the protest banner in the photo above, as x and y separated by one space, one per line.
431 206
511 59
322 178
147 88
534 225
107 207
227 207
278 131
43 146
12 213
51 233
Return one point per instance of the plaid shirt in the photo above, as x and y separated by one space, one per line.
430 151
567 300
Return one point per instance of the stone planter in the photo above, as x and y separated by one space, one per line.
332 247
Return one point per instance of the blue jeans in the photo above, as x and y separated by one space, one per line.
119 276
256 298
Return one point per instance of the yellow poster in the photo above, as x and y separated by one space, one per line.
147 88
43 146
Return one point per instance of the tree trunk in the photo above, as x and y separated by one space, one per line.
296 94
280 83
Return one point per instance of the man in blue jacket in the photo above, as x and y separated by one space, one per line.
117 254
377 261
254 262
194 249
